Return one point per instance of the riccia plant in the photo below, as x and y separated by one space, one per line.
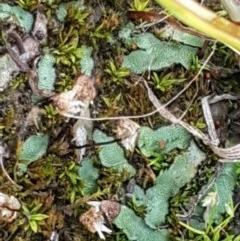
136 229
224 187
182 37
167 184
154 54
46 72
10 13
88 175
163 139
87 62
112 155
33 148
209 210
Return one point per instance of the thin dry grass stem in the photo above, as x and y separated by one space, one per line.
147 25
7 175
190 104
200 71
209 120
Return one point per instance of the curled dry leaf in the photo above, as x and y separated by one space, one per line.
80 139
111 209
9 207
94 222
76 100
86 90
24 50
33 116
17 58
40 28
127 131
231 154
81 130
94 218
67 103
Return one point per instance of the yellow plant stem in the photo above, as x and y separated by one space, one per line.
199 17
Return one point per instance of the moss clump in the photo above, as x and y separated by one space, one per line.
63 8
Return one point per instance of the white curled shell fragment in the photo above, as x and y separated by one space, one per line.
54 236
127 131
76 100
94 221
66 103
95 218
9 207
4 151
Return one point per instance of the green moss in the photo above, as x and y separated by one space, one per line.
48 168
